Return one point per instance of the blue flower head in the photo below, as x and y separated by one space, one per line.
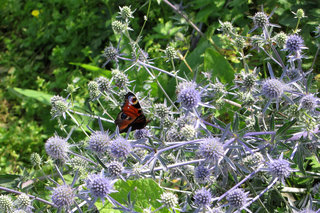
98 142
57 148
189 96
294 45
99 186
63 196
202 197
120 147
237 198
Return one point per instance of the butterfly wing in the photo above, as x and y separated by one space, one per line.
131 115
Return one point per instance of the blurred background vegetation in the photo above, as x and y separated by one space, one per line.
39 41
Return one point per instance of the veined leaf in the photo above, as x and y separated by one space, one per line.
37 95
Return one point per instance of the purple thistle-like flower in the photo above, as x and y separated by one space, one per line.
63 196
189 97
98 142
308 102
202 174
272 88
57 147
237 198
141 133
202 197
294 43
211 149
279 168
115 168
100 186
120 147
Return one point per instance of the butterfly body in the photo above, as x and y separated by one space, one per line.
131 115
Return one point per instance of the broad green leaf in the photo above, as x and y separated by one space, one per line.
92 68
195 58
37 95
219 66
9 181
144 193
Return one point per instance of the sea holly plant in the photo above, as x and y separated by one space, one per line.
257 158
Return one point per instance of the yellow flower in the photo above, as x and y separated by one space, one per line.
35 13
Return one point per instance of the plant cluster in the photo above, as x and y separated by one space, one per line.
264 157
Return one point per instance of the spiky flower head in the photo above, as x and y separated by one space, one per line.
173 134
59 105
142 55
280 39
260 19
239 42
104 84
93 88
211 149
98 142
120 78
202 197
100 186
299 14
63 196
253 161
161 110
272 88
308 102
115 168
294 44
77 163
70 88
6 204
35 159
279 168
226 27
126 12
167 121
169 199
141 133
120 147
171 53
57 147
293 73
111 53
23 202
237 198
118 26
202 174
189 97
249 81
188 132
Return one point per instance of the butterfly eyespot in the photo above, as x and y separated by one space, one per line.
123 116
133 100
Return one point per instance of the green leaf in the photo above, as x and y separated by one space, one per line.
219 66
195 58
285 127
144 192
37 95
9 181
93 68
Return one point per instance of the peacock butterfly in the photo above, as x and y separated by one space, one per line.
131 114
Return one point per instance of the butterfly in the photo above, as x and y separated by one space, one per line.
131 114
